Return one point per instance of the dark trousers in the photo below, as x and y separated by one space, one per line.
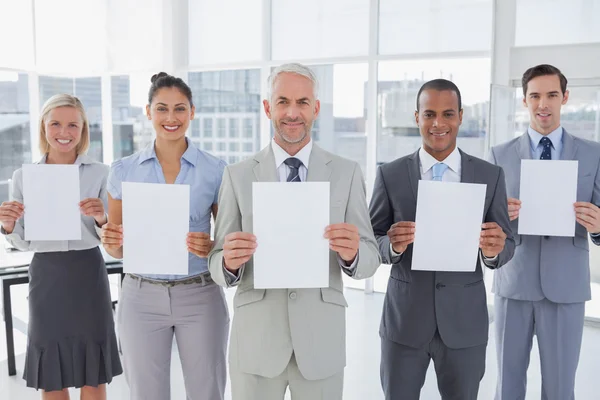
403 370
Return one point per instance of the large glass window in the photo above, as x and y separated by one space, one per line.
211 41
319 29
398 135
542 22
132 131
428 26
227 101
15 137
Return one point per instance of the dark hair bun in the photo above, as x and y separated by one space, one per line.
156 76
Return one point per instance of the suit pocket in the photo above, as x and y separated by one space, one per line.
581 242
333 296
479 282
248 297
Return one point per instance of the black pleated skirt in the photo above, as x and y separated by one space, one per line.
71 340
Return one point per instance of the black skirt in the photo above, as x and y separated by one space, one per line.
71 340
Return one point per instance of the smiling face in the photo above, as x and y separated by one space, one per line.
292 109
170 113
544 99
438 119
63 127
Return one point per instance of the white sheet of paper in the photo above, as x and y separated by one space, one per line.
51 198
156 221
289 224
548 192
448 226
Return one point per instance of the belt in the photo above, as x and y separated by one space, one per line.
203 279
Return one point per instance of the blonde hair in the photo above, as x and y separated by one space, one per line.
64 100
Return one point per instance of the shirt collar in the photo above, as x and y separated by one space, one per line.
190 154
428 161
80 160
281 155
555 137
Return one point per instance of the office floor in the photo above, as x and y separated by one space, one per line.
362 371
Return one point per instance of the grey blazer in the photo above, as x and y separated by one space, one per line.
419 302
556 268
268 324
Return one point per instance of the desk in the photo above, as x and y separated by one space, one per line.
17 274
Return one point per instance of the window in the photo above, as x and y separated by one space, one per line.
207 146
407 26
211 41
15 137
341 126
248 148
207 131
319 28
233 128
576 21
230 103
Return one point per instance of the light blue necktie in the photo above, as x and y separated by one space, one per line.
438 171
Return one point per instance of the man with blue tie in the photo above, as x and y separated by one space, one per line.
435 314
543 289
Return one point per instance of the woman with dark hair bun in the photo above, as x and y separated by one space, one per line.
154 308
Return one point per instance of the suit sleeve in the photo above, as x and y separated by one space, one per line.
17 237
357 214
228 220
596 201
382 218
498 212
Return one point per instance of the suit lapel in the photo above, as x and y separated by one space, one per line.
265 170
318 165
524 147
414 173
569 150
467 173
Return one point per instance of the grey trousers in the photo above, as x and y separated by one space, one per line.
148 317
254 387
403 370
559 331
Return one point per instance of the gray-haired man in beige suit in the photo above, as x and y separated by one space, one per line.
291 337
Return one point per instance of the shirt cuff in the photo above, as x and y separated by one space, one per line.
349 268
99 228
595 235
489 261
231 278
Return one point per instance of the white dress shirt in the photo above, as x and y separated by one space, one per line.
452 174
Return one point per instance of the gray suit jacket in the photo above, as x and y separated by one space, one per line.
269 324
556 268
419 302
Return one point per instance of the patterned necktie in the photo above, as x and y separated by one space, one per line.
546 149
294 165
438 171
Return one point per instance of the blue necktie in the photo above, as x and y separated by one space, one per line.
546 149
294 165
438 171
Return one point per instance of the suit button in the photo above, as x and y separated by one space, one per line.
293 295
439 286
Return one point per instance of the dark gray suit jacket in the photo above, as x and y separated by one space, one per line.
419 302
556 268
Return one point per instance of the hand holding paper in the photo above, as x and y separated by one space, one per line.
344 240
588 215
492 239
238 247
10 212
514 205
401 234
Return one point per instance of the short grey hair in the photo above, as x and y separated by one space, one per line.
293 68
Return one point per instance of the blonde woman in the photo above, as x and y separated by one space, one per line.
71 338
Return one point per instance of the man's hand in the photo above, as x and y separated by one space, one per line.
343 239
514 205
588 215
401 234
237 250
491 240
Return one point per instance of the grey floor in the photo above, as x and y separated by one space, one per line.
362 372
